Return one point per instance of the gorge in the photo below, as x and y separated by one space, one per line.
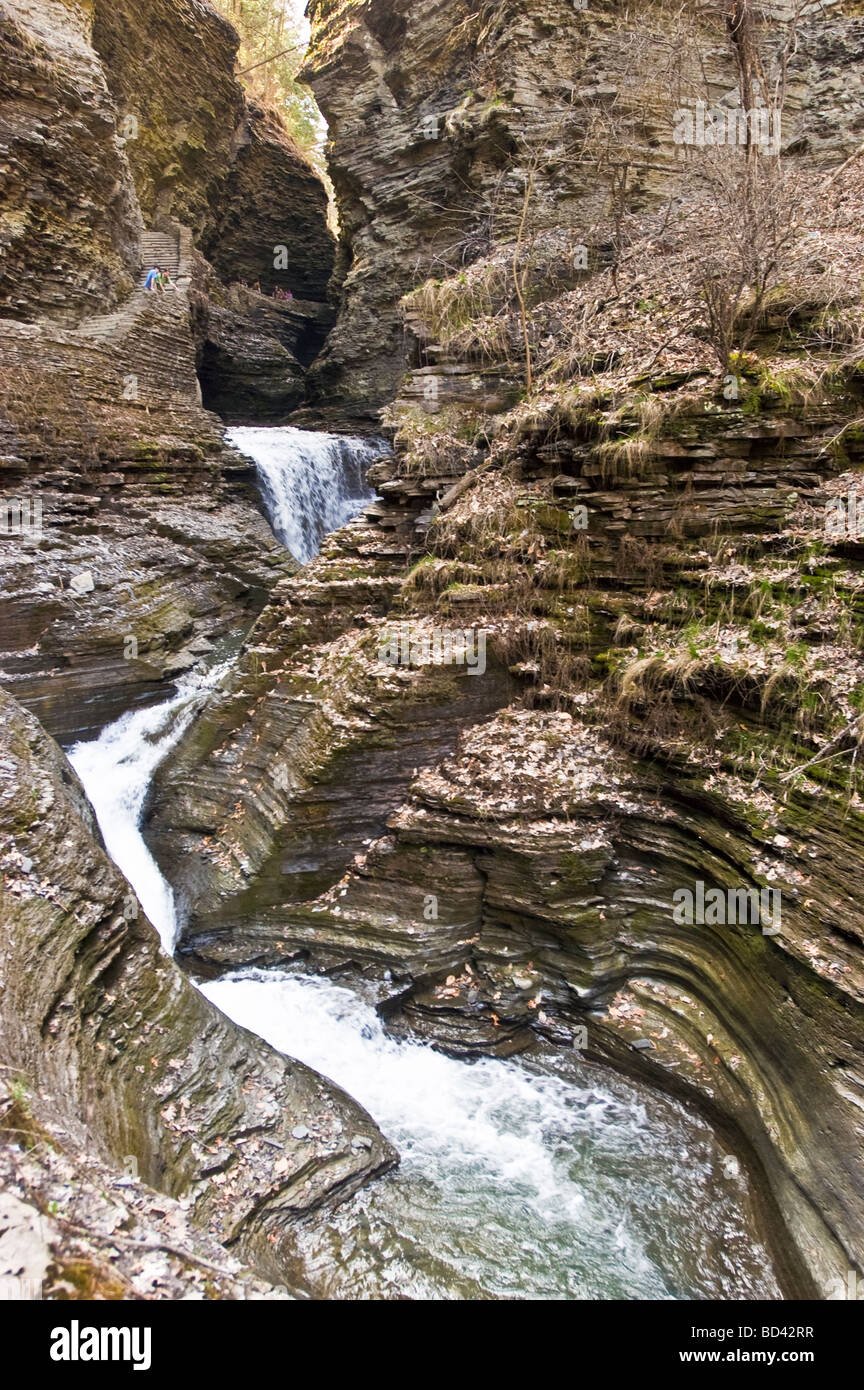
370 966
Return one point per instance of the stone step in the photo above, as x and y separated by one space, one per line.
159 243
159 248
169 262
105 325
125 319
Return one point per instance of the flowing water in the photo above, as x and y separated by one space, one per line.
543 1178
312 483
116 770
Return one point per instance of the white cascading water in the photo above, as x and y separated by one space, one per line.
116 770
544 1179
312 483
550 1180
516 1180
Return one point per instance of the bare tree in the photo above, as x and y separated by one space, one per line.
755 197
755 228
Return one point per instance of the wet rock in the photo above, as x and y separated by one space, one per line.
256 350
138 114
247 373
244 875
104 1026
177 579
585 897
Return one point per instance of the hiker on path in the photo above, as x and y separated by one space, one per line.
165 281
153 277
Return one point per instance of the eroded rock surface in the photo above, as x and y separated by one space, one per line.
202 155
129 1056
649 559
133 540
70 223
73 1227
526 886
440 114
674 681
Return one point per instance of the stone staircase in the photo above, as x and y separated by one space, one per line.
105 326
119 388
162 249
157 248
150 333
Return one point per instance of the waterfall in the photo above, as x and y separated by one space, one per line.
537 1179
116 770
543 1178
312 483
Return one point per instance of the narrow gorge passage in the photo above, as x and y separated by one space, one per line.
432 666
312 483
545 1178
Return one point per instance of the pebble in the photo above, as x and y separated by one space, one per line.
300 1132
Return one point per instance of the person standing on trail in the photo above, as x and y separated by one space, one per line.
153 277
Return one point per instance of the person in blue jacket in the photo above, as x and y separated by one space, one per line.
153 278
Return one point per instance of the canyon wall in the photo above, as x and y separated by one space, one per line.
117 1046
70 223
634 522
672 682
201 155
134 548
441 115
128 142
514 878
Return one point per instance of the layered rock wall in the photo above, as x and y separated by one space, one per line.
640 534
449 121
126 1054
526 886
70 220
202 156
150 545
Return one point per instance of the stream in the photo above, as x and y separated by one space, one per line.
543 1177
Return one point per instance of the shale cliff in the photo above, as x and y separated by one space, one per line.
134 547
631 512
623 378
441 115
136 540
115 1045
